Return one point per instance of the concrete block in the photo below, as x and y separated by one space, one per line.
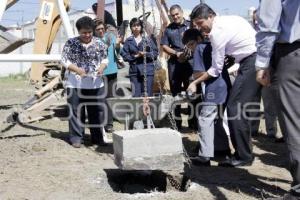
148 149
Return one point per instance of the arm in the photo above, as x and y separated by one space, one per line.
218 43
67 63
169 50
165 45
125 53
199 74
119 40
268 23
269 13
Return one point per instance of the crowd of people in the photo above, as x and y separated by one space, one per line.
267 52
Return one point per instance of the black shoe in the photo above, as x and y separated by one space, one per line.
285 197
76 144
233 162
103 144
280 140
199 161
109 129
223 153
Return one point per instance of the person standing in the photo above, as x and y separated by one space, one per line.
227 39
85 59
180 70
279 37
133 52
269 96
111 72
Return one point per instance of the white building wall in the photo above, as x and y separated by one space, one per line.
28 30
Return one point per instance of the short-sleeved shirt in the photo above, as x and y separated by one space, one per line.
88 58
172 36
216 87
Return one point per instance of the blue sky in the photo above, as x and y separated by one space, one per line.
26 10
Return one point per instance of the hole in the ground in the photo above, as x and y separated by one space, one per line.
135 181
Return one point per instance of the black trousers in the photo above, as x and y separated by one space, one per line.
179 77
110 88
244 94
80 101
287 70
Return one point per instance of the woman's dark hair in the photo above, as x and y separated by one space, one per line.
94 7
135 21
202 11
85 23
191 35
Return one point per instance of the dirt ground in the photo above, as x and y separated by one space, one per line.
36 162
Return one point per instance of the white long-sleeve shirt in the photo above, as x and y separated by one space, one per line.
230 35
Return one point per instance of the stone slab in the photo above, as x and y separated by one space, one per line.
148 149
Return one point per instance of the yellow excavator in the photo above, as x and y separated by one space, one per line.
47 77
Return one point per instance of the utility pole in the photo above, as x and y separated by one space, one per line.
202 1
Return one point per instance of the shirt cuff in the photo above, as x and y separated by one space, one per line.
213 72
262 62
66 63
104 61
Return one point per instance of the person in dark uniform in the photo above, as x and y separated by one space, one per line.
133 53
179 68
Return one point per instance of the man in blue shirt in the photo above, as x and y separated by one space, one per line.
279 36
178 66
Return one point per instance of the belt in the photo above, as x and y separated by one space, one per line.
253 54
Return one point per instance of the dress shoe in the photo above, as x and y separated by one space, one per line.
109 129
99 142
222 153
233 162
285 197
103 144
76 144
200 161
279 140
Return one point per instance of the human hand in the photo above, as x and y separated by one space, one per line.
263 77
139 54
120 39
101 69
192 88
81 72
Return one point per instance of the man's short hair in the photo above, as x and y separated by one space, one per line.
191 35
98 22
202 11
174 7
85 23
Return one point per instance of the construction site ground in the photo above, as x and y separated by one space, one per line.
37 162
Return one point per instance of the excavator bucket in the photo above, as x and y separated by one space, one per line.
47 26
9 42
